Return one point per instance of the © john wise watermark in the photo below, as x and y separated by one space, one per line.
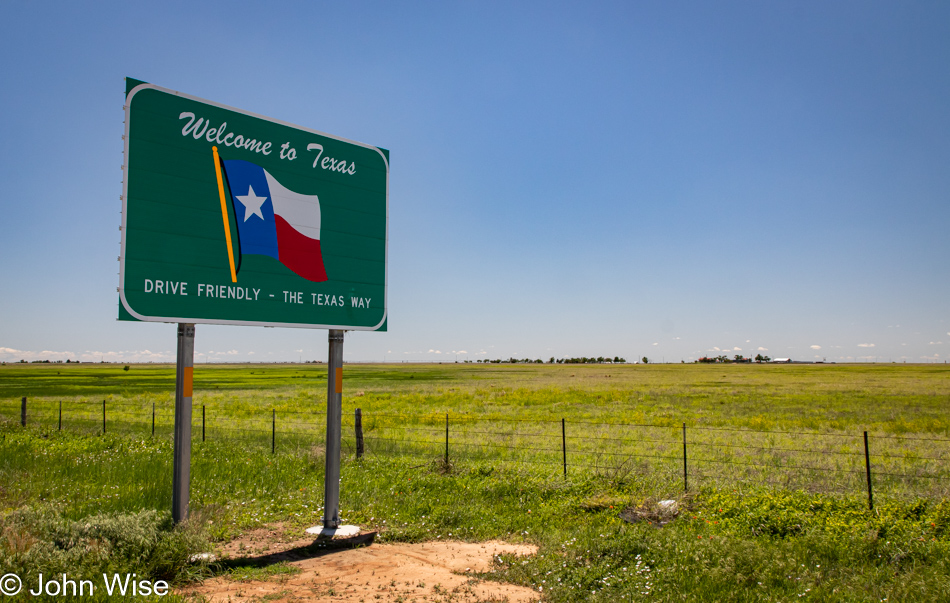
64 586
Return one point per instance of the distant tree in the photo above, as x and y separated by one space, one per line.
125 368
645 360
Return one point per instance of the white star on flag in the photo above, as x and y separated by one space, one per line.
252 203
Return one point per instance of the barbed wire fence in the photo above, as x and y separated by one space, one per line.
695 455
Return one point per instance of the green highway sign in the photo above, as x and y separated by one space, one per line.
233 218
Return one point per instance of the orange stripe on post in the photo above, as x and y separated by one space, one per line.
339 380
186 381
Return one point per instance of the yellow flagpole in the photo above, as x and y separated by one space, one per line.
224 212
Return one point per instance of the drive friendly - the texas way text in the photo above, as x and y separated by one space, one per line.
160 287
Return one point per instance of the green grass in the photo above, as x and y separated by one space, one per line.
764 530
888 398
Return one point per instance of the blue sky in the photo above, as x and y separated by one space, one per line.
661 179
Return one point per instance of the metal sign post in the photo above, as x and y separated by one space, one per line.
331 487
181 481
331 480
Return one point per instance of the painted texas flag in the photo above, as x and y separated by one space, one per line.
273 220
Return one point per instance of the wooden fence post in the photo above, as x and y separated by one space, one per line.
359 433
867 465
685 474
564 446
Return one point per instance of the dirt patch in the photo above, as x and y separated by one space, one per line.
430 572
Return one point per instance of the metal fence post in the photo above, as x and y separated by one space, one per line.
60 415
103 417
685 474
273 430
564 446
867 465
153 418
202 422
359 433
23 412
446 440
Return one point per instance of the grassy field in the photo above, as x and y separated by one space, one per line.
889 398
777 507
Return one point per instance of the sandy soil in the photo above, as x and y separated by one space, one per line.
431 572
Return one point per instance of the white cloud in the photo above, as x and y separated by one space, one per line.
129 356
936 343
865 345
816 347
14 355
656 343
736 349
761 349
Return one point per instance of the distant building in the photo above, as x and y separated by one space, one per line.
785 360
